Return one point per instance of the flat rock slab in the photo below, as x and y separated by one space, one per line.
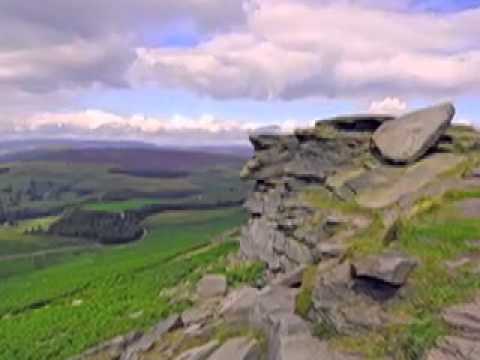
465 345
465 317
306 347
412 180
212 286
456 348
241 348
407 138
238 305
393 269
470 208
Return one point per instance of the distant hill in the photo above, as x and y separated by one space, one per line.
124 158
25 145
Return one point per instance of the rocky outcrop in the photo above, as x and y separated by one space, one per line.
410 137
338 163
325 157
317 191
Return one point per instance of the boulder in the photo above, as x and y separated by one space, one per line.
407 138
389 268
212 286
241 348
271 305
339 303
239 304
201 352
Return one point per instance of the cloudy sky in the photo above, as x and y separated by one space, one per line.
211 70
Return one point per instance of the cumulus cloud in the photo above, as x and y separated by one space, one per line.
177 128
62 66
58 45
389 105
293 49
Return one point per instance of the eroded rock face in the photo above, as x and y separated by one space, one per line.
409 137
283 167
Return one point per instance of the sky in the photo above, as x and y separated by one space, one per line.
211 71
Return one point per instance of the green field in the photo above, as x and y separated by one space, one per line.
62 310
120 206
17 240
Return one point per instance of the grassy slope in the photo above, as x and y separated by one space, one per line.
37 312
14 240
433 237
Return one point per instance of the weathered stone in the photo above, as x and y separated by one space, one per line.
273 303
241 348
407 138
113 348
410 181
306 347
290 279
338 303
196 315
298 252
390 268
212 286
238 305
465 318
259 240
146 342
330 249
201 352
465 345
456 348
291 339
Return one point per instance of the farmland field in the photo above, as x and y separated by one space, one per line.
64 309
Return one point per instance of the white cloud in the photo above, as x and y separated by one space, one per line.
293 49
463 121
389 105
176 128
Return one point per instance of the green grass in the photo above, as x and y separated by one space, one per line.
120 206
433 237
15 240
303 301
61 311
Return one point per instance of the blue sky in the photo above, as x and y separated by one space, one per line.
154 69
